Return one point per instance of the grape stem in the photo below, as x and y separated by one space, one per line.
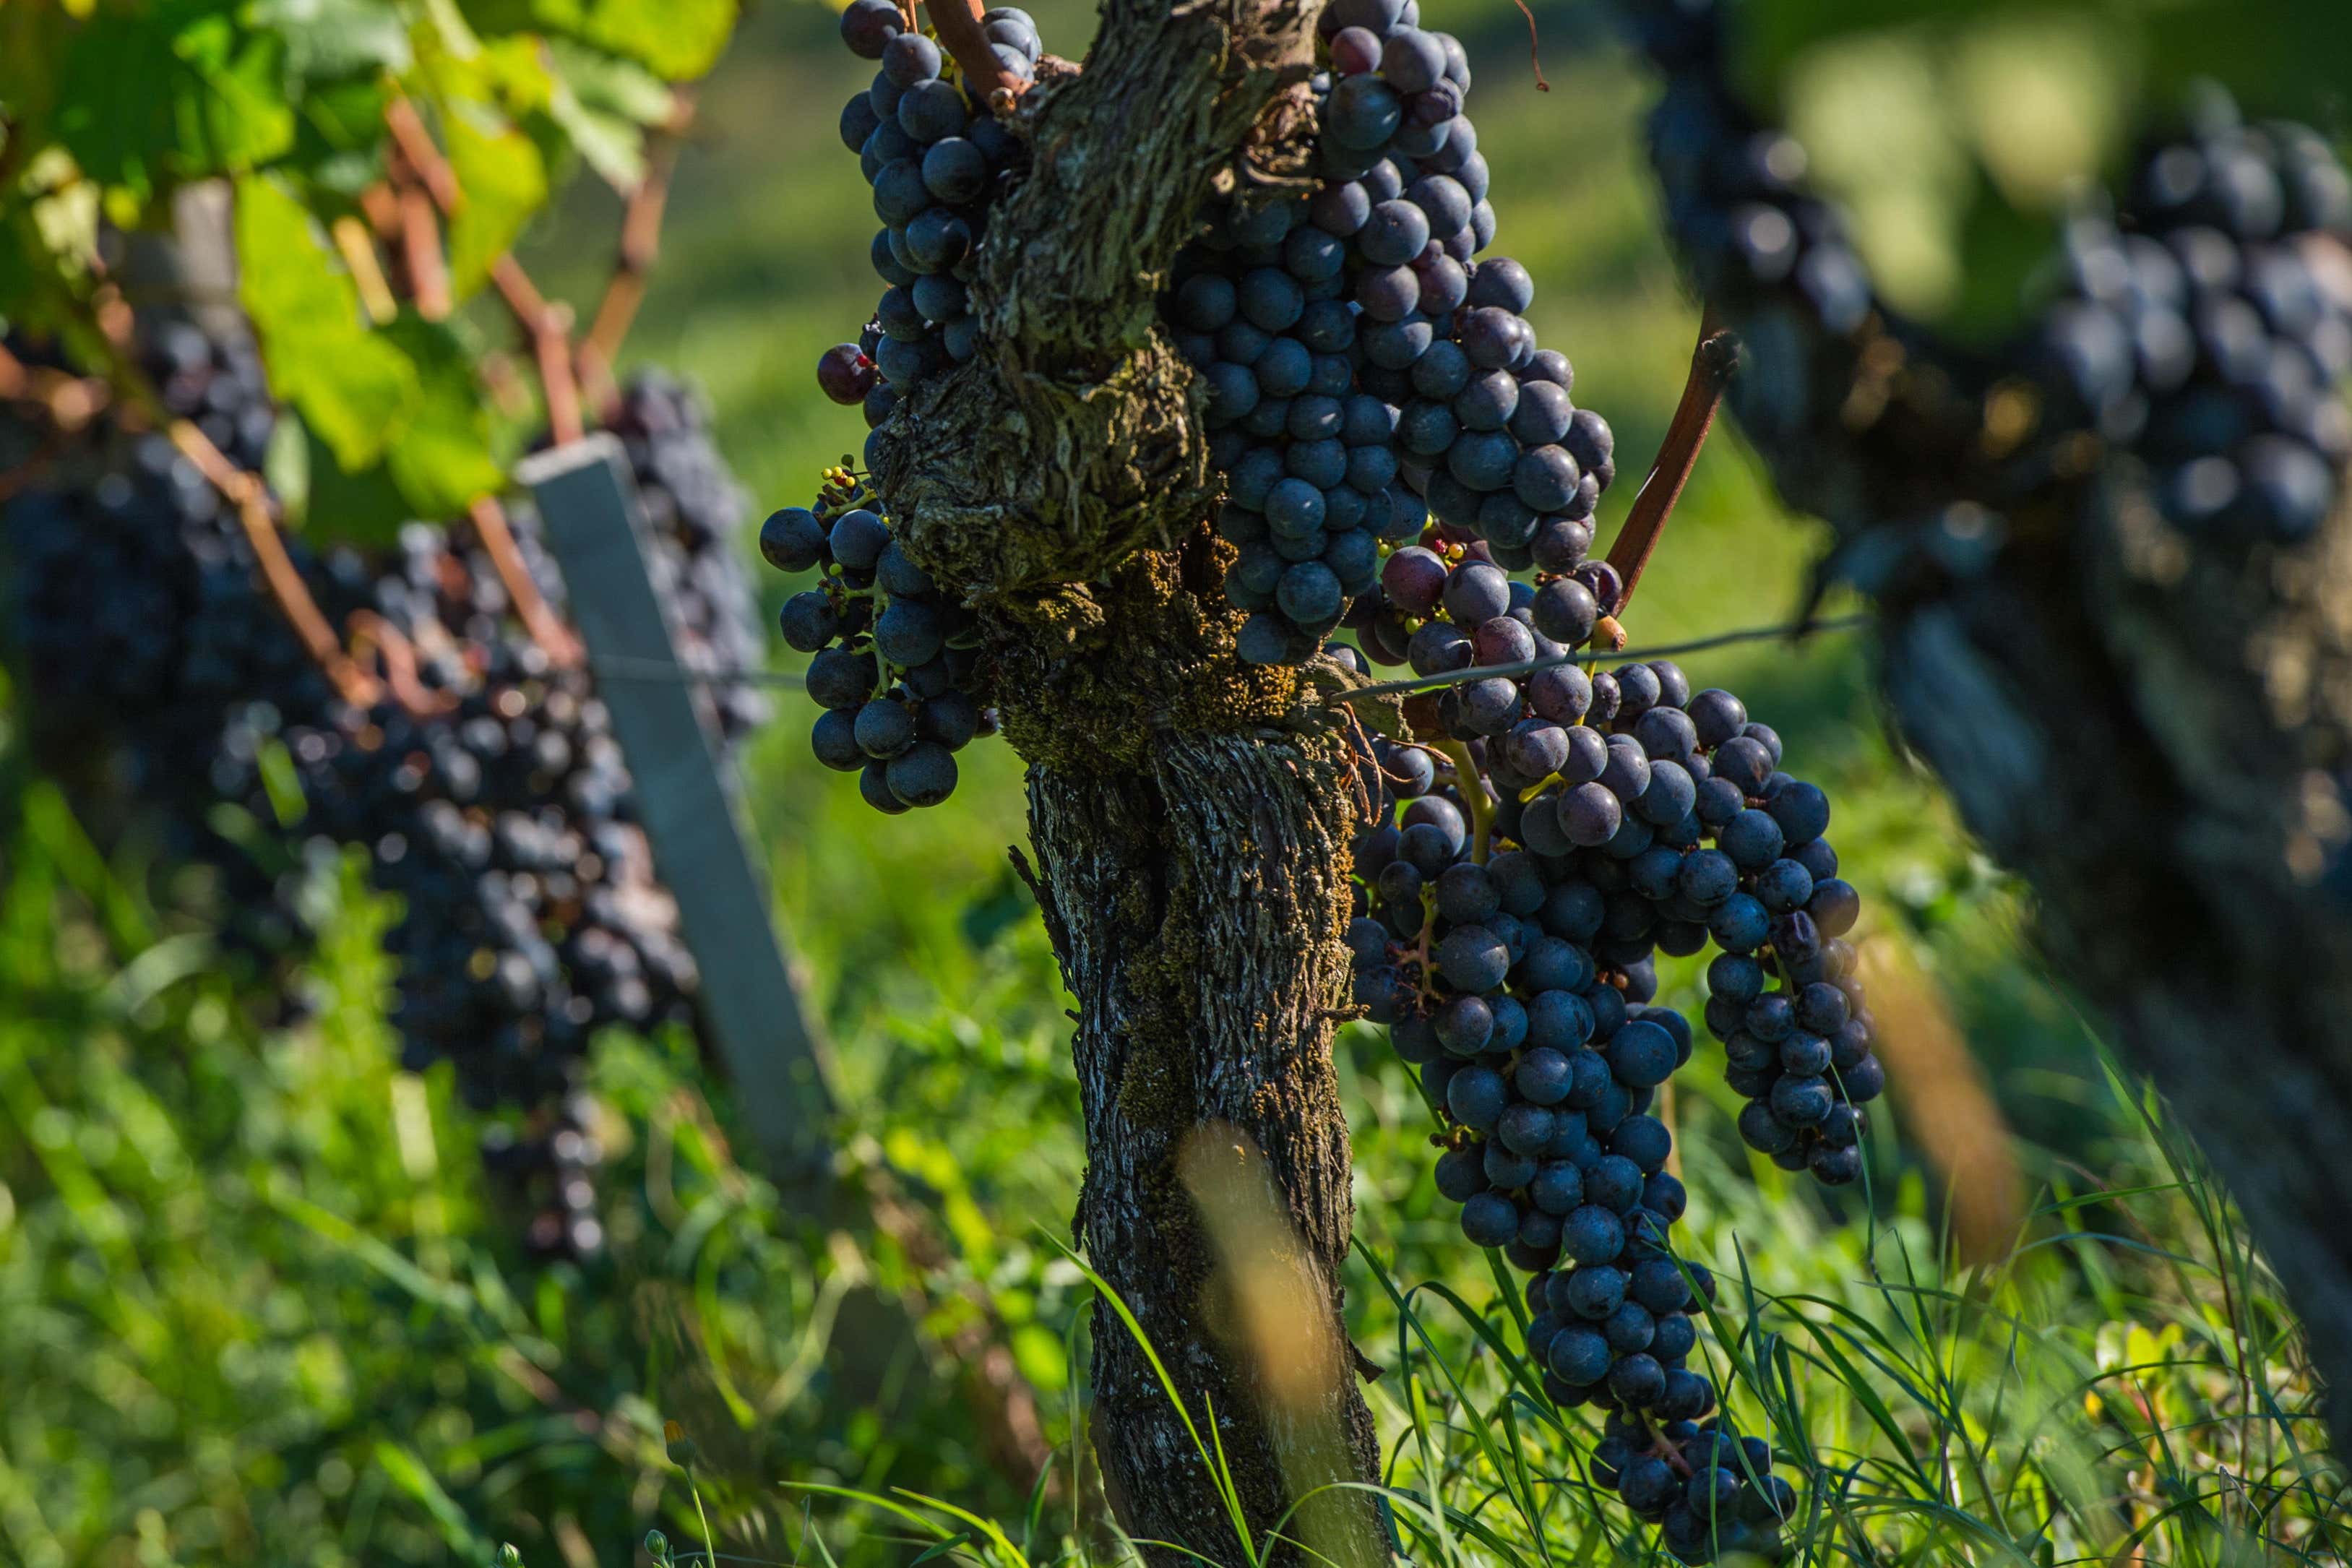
1473 786
1712 365
546 627
372 634
546 325
286 586
358 251
958 25
639 248
420 247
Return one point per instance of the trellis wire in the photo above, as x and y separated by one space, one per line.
624 668
1792 630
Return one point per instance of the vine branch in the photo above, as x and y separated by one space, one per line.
1712 365
639 248
420 245
546 627
246 493
958 25
372 634
546 324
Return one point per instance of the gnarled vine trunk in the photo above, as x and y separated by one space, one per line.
1190 813
2153 738
1195 905
2156 732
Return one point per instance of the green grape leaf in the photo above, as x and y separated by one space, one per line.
441 458
675 39
611 144
600 104
339 140
332 41
178 90
503 179
437 460
351 385
612 84
364 508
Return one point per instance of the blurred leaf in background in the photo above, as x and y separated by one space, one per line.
1959 133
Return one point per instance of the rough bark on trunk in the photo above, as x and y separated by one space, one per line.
1190 815
1195 906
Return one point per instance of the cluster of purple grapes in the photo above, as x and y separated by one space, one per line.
2205 329
1366 373
1571 827
893 662
934 159
1710 1491
531 915
2200 325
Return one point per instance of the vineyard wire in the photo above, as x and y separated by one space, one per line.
621 666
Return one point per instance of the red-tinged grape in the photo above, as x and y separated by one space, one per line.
845 374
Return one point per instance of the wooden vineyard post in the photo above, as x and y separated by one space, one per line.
589 505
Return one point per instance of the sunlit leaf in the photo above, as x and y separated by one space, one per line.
610 143
600 103
441 458
330 39
351 387
503 180
675 39
175 92
612 84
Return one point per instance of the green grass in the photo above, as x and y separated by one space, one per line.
256 1304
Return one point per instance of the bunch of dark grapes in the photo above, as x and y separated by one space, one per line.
1466 612
2206 326
1394 445
892 664
155 668
531 914
1366 372
2200 326
934 159
553 1174
1509 915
